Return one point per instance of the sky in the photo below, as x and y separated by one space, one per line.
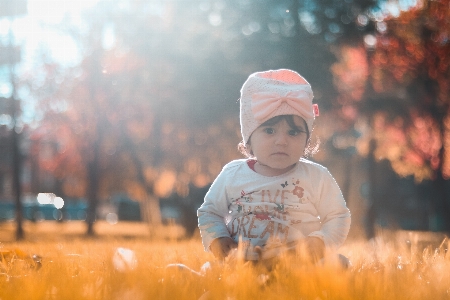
41 13
36 30
32 31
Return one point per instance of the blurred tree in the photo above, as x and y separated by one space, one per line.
152 106
255 35
338 22
127 111
85 117
407 96
9 56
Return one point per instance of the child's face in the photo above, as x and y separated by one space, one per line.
278 147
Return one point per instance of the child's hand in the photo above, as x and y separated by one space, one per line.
315 247
221 247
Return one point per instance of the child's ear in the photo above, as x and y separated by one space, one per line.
248 149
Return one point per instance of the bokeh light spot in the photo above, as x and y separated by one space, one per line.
58 202
215 19
370 41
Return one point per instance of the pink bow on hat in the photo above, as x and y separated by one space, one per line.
265 103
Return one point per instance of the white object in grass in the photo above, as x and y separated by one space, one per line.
124 259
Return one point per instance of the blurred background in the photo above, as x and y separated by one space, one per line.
127 110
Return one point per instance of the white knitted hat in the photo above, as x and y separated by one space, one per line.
273 93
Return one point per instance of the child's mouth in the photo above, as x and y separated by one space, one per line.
280 153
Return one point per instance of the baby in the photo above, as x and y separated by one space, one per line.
274 200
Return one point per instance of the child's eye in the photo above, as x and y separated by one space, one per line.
269 130
293 132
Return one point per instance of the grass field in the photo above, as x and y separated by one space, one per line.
127 261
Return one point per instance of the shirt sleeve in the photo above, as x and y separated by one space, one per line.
334 214
213 211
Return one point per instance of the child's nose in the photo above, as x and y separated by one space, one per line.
281 139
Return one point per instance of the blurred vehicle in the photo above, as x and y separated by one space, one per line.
35 209
75 209
7 211
119 207
127 209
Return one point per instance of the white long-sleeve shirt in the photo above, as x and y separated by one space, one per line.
274 211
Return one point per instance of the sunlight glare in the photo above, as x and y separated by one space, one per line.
52 11
50 198
58 202
45 198
36 29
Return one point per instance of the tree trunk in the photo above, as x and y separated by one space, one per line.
93 167
16 181
92 192
17 158
371 214
151 211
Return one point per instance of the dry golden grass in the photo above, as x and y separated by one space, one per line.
396 265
